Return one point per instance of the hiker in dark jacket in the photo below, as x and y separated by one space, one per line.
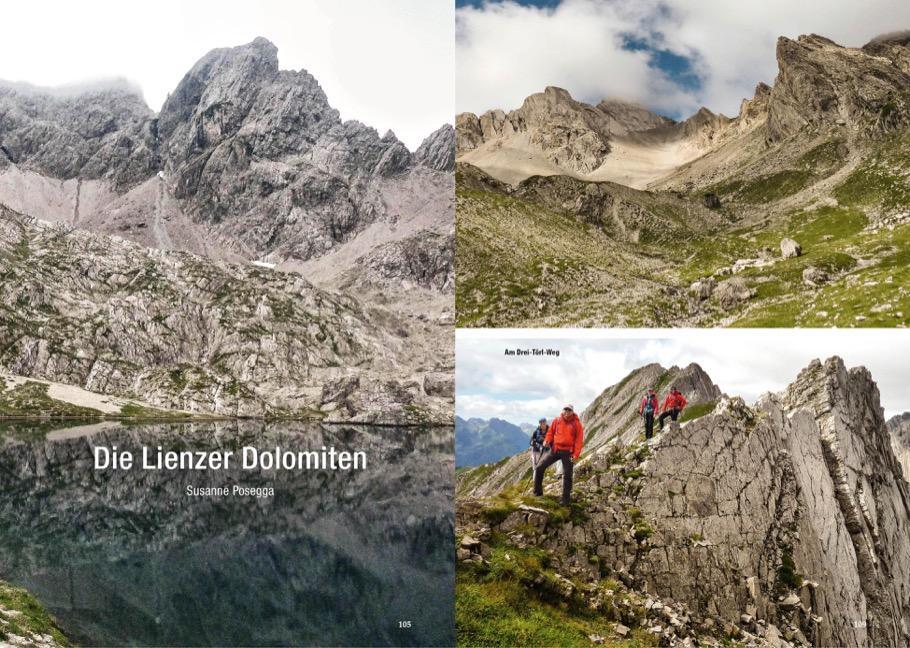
648 410
564 439
537 438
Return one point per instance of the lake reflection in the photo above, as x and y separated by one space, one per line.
333 558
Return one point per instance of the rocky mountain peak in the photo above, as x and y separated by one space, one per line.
257 60
821 84
894 47
816 41
901 37
241 88
631 116
553 101
613 415
77 131
437 151
756 108
219 76
702 118
900 424
556 94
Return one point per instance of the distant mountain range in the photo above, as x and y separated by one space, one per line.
479 441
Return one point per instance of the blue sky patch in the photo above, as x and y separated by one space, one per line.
678 69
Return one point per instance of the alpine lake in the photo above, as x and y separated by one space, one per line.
294 548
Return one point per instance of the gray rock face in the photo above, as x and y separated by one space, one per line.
821 83
711 201
730 292
702 289
259 155
899 427
104 133
438 150
572 134
632 117
813 276
792 512
468 133
427 260
251 161
188 333
755 109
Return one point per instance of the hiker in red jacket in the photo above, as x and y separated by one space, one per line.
673 406
648 409
564 440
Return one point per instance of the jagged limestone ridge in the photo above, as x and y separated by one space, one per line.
789 519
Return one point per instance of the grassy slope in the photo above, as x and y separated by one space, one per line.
511 603
505 613
501 278
869 268
21 615
512 253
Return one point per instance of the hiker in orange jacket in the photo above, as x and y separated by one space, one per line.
673 406
564 440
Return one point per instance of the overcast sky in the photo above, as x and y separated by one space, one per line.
387 64
743 363
672 55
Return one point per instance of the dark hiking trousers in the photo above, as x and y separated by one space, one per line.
550 458
649 424
672 413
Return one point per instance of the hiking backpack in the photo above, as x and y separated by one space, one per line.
649 405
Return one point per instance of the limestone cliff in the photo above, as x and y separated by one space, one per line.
181 331
242 252
899 426
787 522
244 161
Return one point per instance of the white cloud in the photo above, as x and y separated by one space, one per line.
744 363
506 51
387 64
521 389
